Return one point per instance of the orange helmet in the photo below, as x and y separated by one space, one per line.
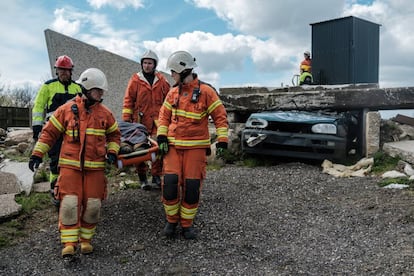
64 62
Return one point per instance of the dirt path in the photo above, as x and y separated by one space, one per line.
288 219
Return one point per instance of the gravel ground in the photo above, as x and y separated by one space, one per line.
287 219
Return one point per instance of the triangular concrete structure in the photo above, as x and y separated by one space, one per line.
117 69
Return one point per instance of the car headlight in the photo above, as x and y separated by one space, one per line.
256 123
324 128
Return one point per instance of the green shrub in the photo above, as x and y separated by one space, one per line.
383 162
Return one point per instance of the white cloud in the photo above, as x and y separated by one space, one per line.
396 36
99 31
119 4
286 21
266 37
19 63
67 25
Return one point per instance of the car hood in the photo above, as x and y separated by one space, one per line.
294 117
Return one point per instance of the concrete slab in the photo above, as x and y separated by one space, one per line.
404 149
8 206
22 172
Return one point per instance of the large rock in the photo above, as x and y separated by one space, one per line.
403 149
22 172
9 187
18 136
8 206
9 184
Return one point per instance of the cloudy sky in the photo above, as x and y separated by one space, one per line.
236 43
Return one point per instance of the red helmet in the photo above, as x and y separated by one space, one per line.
64 62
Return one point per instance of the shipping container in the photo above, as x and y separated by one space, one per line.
345 51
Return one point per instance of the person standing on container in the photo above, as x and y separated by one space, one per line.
305 76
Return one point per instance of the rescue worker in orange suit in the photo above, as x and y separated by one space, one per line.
52 94
305 76
184 141
91 138
143 98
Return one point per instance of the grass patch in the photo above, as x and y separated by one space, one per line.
252 161
404 181
35 201
13 229
383 162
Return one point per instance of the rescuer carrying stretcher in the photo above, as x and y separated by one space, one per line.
91 138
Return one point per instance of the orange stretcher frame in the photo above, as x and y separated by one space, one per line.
137 157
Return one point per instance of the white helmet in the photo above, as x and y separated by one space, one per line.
307 53
151 55
180 60
93 78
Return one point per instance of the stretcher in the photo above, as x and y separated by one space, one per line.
137 157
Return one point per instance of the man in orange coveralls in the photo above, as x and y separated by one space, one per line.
184 140
90 137
143 98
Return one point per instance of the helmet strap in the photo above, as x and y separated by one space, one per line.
185 74
89 100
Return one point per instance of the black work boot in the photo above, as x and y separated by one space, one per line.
156 182
189 233
53 193
169 229
144 182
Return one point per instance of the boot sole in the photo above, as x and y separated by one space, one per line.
68 254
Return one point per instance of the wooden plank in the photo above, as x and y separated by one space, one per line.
402 119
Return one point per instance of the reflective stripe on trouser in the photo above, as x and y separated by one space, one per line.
82 186
187 164
69 235
86 234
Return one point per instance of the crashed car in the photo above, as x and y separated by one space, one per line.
314 135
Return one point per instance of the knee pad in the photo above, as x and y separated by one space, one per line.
69 210
93 210
192 191
170 188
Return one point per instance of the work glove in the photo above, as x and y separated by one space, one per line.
220 148
36 132
162 144
111 158
34 162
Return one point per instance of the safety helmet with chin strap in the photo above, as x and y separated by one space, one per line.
150 55
180 61
93 78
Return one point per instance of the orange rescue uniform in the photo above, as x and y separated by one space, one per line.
88 135
185 123
306 66
142 98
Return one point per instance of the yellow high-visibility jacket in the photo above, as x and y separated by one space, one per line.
51 95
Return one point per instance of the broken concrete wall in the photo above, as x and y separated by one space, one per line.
117 69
